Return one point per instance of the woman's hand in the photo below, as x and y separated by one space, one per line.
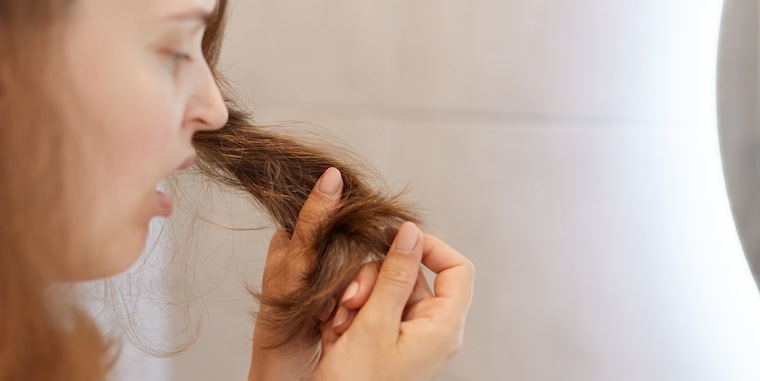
286 262
403 332
357 294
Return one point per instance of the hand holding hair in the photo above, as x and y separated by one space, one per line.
288 262
392 292
280 173
316 260
391 339
357 294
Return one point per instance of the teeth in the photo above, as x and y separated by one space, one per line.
161 186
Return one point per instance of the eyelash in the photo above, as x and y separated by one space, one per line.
180 56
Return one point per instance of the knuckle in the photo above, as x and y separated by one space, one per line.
470 267
451 338
369 324
368 272
454 345
395 275
308 214
279 236
371 267
320 202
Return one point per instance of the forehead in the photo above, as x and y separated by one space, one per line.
143 10
171 7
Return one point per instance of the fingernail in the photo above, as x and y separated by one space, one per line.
330 182
340 317
351 291
407 237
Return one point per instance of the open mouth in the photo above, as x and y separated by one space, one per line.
164 204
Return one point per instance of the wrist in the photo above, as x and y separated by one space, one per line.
289 363
274 365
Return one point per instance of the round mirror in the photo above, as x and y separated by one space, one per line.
738 120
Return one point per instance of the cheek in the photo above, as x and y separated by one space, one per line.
142 129
140 149
125 116
129 138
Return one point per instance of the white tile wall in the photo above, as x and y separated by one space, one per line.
282 42
566 147
534 57
223 262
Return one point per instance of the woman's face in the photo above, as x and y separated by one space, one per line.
134 89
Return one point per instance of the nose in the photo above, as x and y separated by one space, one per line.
206 110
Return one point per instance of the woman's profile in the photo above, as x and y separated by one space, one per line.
102 100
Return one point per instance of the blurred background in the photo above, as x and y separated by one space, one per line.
569 148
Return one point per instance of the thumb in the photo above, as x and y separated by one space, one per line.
396 280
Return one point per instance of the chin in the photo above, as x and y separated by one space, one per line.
128 253
115 257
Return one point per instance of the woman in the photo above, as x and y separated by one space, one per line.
100 101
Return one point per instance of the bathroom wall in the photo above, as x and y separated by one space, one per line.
567 147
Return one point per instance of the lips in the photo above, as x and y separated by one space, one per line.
164 204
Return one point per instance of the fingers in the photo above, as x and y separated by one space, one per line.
329 336
355 296
319 206
275 265
421 290
354 300
455 272
278 246
397 277
343 319
360 289
286 263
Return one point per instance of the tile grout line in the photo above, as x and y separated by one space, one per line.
391 110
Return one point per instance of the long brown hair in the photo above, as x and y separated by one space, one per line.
279 171
276 169
38 340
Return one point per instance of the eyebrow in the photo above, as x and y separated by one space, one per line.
194 14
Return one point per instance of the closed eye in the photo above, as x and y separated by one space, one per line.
180 56
177 60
